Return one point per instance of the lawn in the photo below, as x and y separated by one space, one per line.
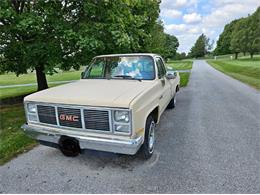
246 70
184 78
180 64
12 138
12 79
18 91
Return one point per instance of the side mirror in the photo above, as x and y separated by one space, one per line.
82 75
171 74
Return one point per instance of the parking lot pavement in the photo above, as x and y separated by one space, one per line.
208 144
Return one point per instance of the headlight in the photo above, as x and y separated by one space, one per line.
31 108
122 128
121 116
122 121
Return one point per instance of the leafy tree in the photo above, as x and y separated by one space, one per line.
239 37
43 35
253 33
223 43
242 35
171 46
156 42
180 56
201 47
161 42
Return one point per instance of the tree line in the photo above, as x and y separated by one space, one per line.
241 35
41 36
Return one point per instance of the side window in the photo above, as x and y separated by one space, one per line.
160 67
97 69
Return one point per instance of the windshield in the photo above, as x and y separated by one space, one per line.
121 67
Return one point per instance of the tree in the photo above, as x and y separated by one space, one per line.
253 32
171 46
223 43
239 37
161 42
201 47
43 35
242 35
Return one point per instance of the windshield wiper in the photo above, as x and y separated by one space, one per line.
127 77
124 76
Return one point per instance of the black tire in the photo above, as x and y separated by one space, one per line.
146 149
69 146
172 103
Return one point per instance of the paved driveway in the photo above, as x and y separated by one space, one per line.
208 144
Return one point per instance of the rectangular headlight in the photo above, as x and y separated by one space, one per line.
31 108
121 116
122 128
32 118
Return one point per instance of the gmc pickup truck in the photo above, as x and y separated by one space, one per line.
114 107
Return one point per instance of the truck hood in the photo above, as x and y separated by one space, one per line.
93 92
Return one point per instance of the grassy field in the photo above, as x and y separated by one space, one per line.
246 70
12 79
18 91
185 76
12 138
180 64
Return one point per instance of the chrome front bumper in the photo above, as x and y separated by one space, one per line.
47 135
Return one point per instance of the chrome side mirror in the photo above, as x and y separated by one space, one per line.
171 74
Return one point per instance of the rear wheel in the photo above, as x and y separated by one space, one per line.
148 145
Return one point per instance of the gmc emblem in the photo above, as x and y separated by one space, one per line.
71 118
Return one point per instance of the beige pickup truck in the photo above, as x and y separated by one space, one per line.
114 107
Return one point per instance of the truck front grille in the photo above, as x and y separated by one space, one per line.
96 120
69 117
46 114
92 119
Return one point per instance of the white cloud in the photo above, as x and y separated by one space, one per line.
210 18
171 13
192 18
169 4
225 14
175 29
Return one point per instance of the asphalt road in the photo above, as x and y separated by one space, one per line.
208 144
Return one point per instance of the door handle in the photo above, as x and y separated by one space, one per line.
160 97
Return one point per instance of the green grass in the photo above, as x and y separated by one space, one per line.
180 64
18 91
13 140
184 78
245 70
12 79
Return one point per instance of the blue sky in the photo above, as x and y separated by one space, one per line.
187 19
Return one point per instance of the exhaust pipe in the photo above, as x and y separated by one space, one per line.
69 146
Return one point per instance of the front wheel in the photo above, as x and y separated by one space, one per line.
148 145
172 103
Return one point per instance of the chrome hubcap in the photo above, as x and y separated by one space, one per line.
151 136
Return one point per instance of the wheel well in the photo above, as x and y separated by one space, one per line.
154 114
177 88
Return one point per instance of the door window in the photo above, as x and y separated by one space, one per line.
160 67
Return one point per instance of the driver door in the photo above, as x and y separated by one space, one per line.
165 85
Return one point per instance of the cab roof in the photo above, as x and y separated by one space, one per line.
129 54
